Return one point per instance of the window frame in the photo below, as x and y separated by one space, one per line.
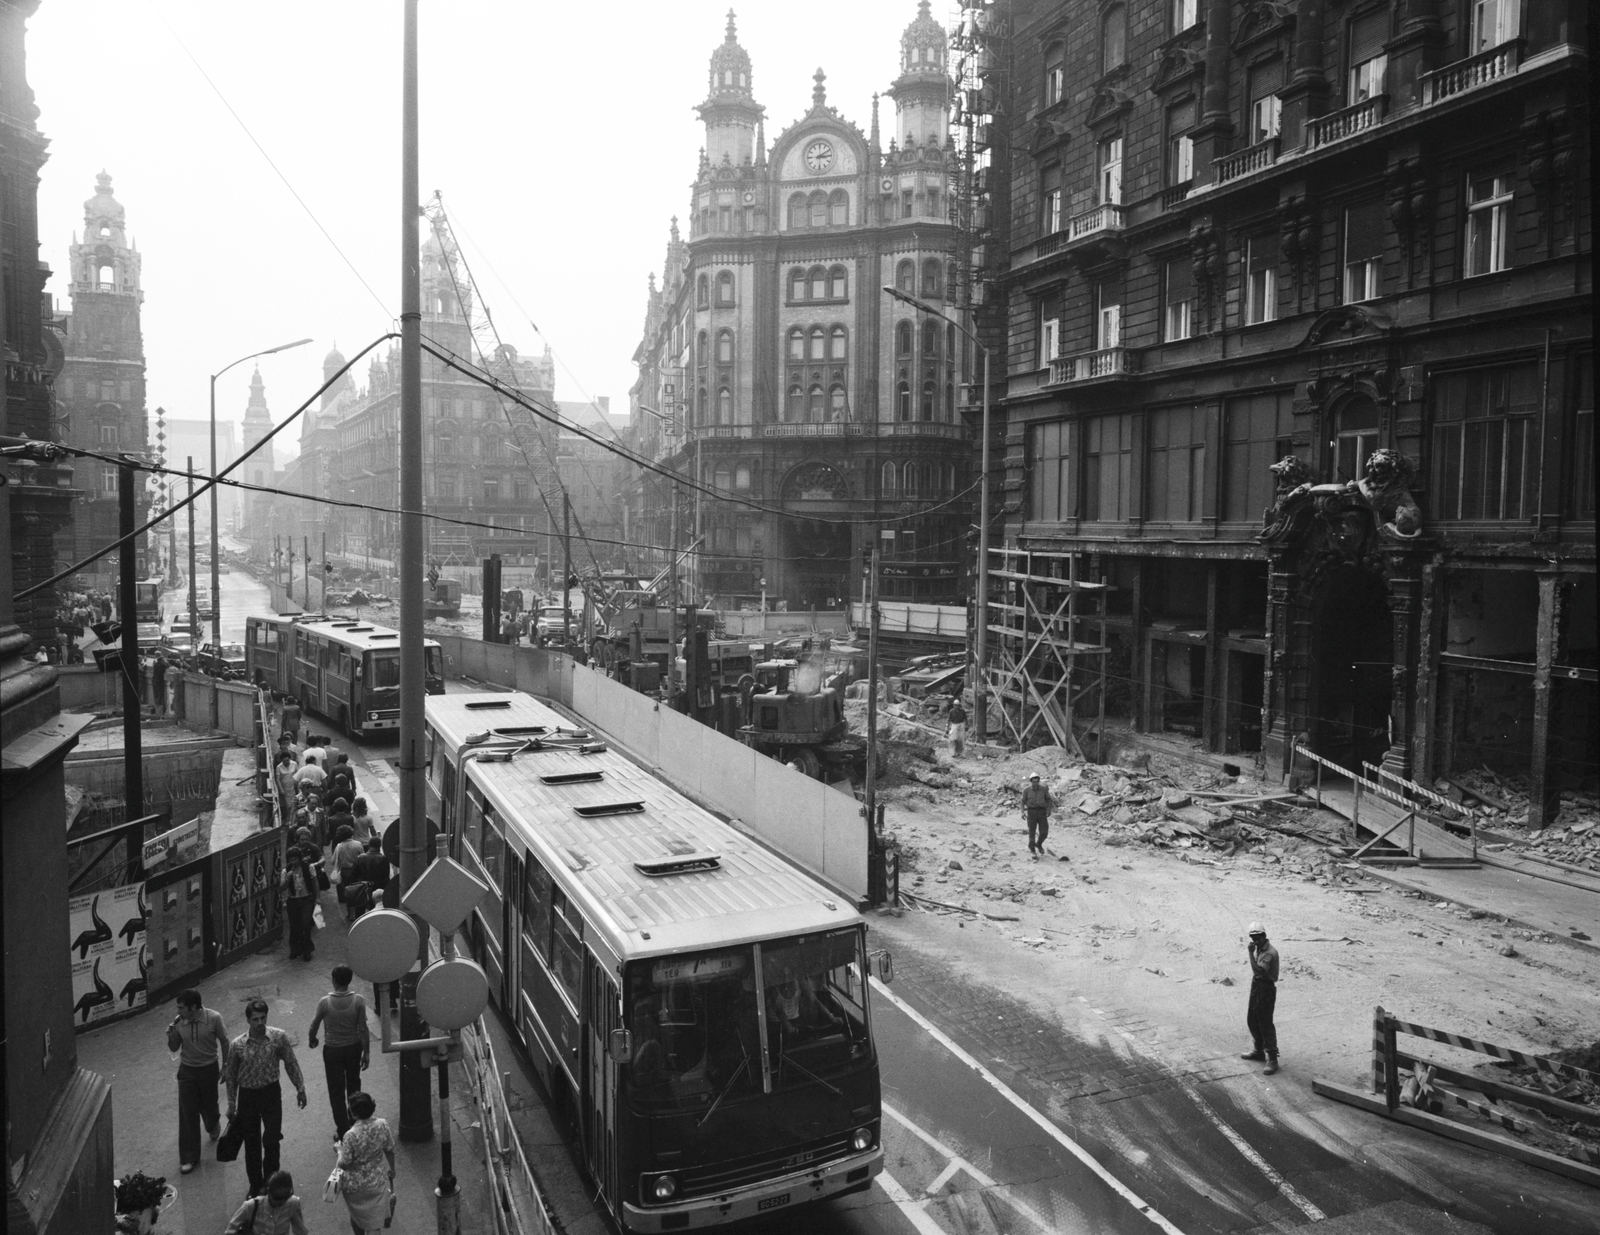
1172 332
1261 301
1499 206
1114 18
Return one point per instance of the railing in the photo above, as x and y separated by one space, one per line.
722 431
1175 195
914 428
1243 162
516 1204
1469 74
831 428
1347 122
1086 366
1092 222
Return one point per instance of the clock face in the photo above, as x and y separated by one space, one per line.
819 156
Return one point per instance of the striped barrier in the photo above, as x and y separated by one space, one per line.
1386 1069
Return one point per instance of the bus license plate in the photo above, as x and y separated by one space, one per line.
772 1202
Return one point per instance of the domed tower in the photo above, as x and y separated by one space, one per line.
257 424
730 112
331 364
921 93
446 299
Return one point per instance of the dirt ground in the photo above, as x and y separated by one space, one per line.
1142 901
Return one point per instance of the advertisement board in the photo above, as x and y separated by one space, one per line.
110 959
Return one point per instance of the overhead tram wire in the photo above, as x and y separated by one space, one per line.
209 482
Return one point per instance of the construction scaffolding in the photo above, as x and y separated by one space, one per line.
1042 668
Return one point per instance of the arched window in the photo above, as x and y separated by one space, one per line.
903 400
902 339
932 277
838 208
837 340
1113 38
741 476
722 478
818 343
927 399
838 284
905 277
949 477
797 210
949 400
950 343
908 480
447 448
819 283
724 406
724 347
925 479
817 209
702 350
814 404
836 403
797 284
700 407
725 287
930 339
888 479
796 408
797 344
491 445
703 292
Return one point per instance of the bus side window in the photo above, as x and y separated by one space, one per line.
493 851
472 826
536 908
427 758
566 945
447 796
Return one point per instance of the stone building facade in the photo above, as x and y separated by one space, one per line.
101 390
1352 240
814 410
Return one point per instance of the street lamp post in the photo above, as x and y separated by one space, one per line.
980 654
216 565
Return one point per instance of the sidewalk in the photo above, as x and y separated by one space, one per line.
132 1055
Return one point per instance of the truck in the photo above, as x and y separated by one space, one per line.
147 600
807 731
442 598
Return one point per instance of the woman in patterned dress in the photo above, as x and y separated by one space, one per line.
366 1153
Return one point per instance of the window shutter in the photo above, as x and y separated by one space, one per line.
1363 231
1263 252
1367 36
1180 119
1180 280
1267 79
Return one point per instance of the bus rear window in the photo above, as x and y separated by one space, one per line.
435 663
383 672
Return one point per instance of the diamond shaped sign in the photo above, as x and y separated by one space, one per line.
444 895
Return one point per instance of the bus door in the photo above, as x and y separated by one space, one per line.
601 1015
512 902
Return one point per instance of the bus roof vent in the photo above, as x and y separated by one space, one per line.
517 731
391 635
679 864
609 808
358 629
571 778
488 703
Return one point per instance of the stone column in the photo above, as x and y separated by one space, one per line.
1550 639
1412 52
1306 95
1277 721
1404 594
1213 135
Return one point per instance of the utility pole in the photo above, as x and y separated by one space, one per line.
566 568
194 604
698 592
870 795
672 594
416 1119
132 739
324 579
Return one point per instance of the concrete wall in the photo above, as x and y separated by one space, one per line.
813 825
205 703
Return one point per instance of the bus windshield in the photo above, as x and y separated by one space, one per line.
435 663
384 673
696 1021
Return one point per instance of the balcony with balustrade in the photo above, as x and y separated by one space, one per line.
1081 234
1345 123
828 428
1470 73
1105 364
1246 162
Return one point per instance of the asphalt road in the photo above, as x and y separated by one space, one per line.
999 1121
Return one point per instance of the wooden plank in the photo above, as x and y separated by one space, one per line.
1464 1133
1050 581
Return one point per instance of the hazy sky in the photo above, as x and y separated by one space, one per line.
561 135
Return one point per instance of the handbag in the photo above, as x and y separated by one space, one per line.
335 1185
323 881
229 1142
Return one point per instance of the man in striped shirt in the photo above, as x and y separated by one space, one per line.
253 1094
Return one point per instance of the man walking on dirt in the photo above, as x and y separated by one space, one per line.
1263 999
1036 804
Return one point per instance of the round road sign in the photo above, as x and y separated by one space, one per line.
382 945
451 992
391 843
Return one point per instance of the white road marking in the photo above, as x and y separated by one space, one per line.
1287 1190
958 1163
913 1210
944 1176
1050 1129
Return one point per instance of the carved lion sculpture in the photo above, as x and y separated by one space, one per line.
1386 484
1294 482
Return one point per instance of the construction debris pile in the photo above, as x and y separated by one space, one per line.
1499 803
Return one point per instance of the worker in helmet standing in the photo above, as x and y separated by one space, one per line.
1263 999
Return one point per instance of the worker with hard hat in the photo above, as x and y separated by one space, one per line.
1263 999
1036 804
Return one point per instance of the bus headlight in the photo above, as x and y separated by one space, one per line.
861 1139
663 1188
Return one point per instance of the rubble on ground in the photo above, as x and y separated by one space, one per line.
1498 804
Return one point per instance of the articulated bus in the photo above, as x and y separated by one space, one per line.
695 1003
348 671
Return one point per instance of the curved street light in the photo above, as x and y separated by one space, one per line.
980 652
216 567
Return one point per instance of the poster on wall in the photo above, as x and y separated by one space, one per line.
175 933
249 915
110 959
